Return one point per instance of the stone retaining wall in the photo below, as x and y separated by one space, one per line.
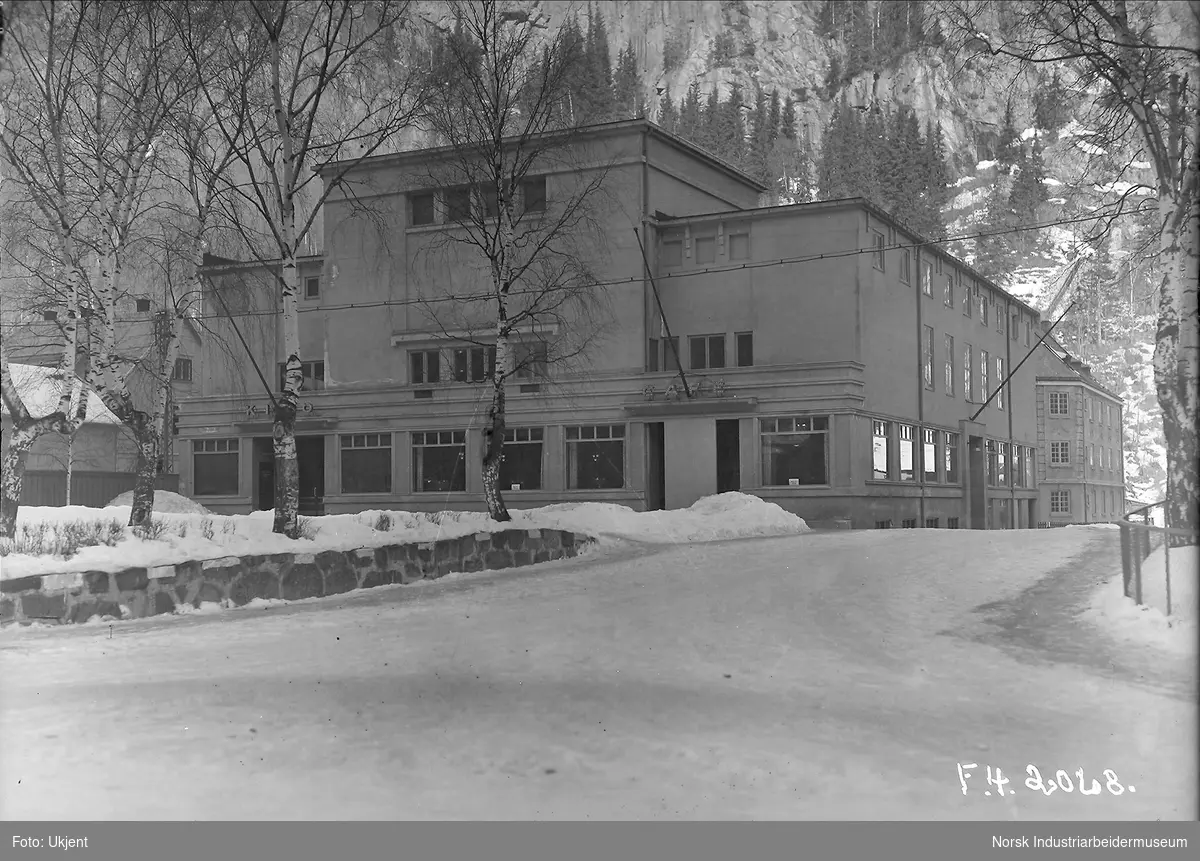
138 592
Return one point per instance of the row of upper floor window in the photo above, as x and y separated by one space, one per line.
982 374
464 203
704 352
1100 459
704 244
1107 503
1098 412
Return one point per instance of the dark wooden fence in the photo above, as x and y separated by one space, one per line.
93 489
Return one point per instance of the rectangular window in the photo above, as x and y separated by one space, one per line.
422 208
671 356
969 372
952 523
1014 324
905 266
999 318
312 288
993 462
931 522
927 356
908 466
948 297
183 370
1088 408
214 467
948 350
474 364
439 461
739 246
1028 332
1091 455
967 299
143 305
1002 473
1060 502
984 382
313 372
366 463
49 315
424 367
531 360
795 450
458 205
1018 467
596 457
927 278
951 457
706 249
707 351
929 459
652 355
1058 404
1030 463
879 243
521 465
983 306
1060 453
533 192
745 349
881 450
672 248
999 384
489 199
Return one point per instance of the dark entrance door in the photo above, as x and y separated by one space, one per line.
264 478
729 456
977 465
310 460
656 467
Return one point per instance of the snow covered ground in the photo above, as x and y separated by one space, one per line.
192 534
1149 624
808 676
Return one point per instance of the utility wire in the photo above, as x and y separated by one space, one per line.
714 270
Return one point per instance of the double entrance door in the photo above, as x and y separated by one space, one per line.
690 458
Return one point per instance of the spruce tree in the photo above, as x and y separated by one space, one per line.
599 68
787 124
691 114
935 182
774 115
916 23
761 136
993 253
1010 146
627 82
710 122
668 114
735 127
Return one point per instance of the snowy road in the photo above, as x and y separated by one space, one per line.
820 676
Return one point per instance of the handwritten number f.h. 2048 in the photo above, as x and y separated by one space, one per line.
1061 781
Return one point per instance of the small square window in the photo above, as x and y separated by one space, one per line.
458 205
49 315
143 305
422 209
745 349
312 288
739 246
533 190
706 249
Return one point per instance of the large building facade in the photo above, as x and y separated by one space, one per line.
1081 458
820 356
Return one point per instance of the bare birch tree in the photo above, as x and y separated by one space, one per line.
299 84
1140 63
501 104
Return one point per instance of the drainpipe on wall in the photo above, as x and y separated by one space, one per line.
920 434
